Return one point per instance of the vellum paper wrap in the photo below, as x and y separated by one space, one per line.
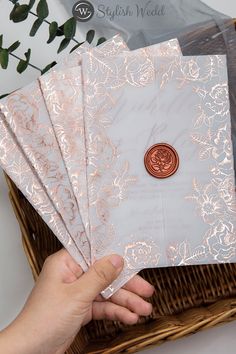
63 94
145 99
30 120
19 168
43 131
102 69
27 117
14 162
65 143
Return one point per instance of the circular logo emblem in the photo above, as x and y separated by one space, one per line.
83 11
161 160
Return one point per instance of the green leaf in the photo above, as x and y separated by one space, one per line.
64 43
13 47
4 58
37 23
101 40
60 31
13 11
23 64
52 31
42 9
19 13
90 36
70 28
48 67
76 46
28 54
1 40
31 3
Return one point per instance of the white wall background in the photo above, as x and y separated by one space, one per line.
15 276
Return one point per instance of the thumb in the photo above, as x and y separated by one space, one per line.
99 276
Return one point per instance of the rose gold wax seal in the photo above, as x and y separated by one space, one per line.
161 160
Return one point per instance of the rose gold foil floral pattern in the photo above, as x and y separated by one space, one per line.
100 76
131 74
215 200
26 115
62 91
63 94
56 223
14 162
82 142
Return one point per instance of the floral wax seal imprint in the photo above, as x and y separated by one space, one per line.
161 160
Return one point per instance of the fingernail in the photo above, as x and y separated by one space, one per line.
116 261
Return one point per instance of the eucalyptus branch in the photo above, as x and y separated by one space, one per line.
67 30
6 52
29 64
49 23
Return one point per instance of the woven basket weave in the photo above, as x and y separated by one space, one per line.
187 299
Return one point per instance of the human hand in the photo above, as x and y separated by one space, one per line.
64 299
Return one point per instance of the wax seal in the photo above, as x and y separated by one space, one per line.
161 160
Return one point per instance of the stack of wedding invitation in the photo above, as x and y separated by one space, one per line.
128 152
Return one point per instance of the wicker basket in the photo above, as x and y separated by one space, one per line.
187 299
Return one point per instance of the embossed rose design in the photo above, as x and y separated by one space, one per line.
140 254
209 204
23 113
226 190
161 160
191 70
219 94
216 102
210 208
221 241
222 150
140 72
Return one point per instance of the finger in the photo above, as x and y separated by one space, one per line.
99 276
136 285
58 264
139 286
113 312
132 302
